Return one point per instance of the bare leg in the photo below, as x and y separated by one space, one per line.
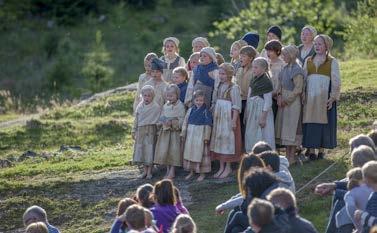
189 176
171 173
291 154
201 177
226 171
149 172
221 169
167 172
144 174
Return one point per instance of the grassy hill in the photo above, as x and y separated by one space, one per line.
80 186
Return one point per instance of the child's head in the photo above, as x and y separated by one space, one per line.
323 44
198 43
219 59
290 53
172 93
247 55
283 198
135 217
147 93
307 34
271 159
124 204
361 155
355 177
258 180
247 162
361 139
259 66
148 62
148 217
274 33
143 195
207 55
199 97
180 75
170 46
370 173
157 67
193 60
260 147
34 214
226 71
260 213
37 227
164 192
273 48
373 135
235 49
184 224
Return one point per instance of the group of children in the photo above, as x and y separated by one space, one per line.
191 114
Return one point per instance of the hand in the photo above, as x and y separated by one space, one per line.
122 218
284 103
262 122
219 211
324 188
357 216
330 101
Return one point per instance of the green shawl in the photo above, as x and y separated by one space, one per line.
260 85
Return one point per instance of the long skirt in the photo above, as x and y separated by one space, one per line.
226 143
168 148
254 133
321 135
145 142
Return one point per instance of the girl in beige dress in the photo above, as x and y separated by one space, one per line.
171 57
288 123
157 82
226 142
168 147
144 131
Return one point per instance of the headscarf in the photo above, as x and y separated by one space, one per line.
203 40
171 38
328 41
210 51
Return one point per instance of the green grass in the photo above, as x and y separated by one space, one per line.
79 199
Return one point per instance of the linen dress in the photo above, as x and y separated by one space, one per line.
145 129
159 90
143 78
288 128
168 147
226 143
170 64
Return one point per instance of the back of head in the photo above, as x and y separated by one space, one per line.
361 139
184 224
257 181
260 147
143 194
249 51
249 161
124 204
355 175
164 192
135 217
362 154
370 171
272 159
260 212
373 135
34 214
37 227
282 198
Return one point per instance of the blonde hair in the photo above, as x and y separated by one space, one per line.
228 68
184 224
262 62
173 88
239 44
219 59
311 29
171 39
290 51
146 89
249 51
148 217
370 171
37 227
149 57
182 71
361 155
282 197
355 175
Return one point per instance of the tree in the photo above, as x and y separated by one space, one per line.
95 69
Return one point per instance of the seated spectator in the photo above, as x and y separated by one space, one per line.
179 203
143 195
38 214
184 224
285 199
165 210
272 161
120 225
362 139
37 227
261 217
135 219
373 135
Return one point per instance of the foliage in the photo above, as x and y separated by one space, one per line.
291 16
361 31
95 68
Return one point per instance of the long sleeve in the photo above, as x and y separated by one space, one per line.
207 132
137 94
134 128
215 75
298 81
115 228
190 91
335 80
231 203
182 62
350 206
267 102
185 123
182 114
236 98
